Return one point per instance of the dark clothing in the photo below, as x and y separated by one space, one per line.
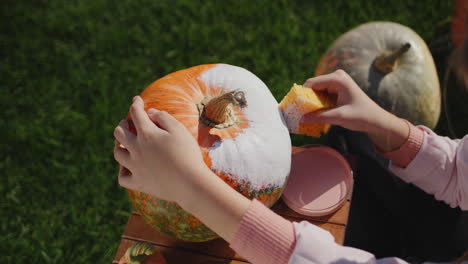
390 217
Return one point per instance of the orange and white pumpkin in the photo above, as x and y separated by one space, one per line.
241 133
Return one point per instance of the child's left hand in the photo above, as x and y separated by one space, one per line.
164 159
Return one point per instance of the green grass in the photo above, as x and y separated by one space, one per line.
70 68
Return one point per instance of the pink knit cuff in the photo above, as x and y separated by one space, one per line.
402 156
263 236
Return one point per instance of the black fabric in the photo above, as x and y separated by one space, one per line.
389 217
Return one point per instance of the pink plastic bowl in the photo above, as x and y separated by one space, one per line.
319 183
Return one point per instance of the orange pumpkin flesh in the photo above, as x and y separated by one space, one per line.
300 101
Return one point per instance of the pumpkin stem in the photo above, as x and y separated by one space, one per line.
387 60
218 111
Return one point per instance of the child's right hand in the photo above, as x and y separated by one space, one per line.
356 111
164 159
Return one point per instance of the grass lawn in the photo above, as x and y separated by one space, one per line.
68 72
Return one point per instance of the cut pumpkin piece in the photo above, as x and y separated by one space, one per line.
301 100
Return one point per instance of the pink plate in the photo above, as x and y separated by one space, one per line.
319 183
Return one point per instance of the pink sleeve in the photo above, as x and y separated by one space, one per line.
315 245
439 168
263 236
402 156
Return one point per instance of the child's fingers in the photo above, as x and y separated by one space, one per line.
123 135
330 116
120 145
139 116
330 83
124 172
122 156
126 178
163 119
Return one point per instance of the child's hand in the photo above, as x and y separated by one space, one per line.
164 159
356 111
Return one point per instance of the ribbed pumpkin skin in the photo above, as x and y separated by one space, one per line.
411 91
226 151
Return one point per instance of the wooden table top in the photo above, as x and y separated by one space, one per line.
217 251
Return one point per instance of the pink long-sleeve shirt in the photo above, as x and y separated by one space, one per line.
437 165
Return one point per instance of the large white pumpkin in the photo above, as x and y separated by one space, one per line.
393 65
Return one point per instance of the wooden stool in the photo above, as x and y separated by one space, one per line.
218 251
